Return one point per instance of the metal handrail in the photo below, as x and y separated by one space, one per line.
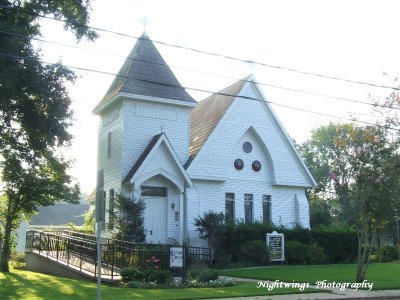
80 250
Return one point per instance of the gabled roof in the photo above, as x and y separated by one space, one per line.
147 155
206 116
145 73
209 112
142 158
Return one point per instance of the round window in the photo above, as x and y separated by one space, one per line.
239 164
256 166
247 147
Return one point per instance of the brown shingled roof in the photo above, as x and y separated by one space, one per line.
206 116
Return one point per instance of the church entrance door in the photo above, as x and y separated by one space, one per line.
155 220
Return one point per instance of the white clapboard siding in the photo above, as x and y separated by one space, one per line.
144 120
110 122
282 174
213 160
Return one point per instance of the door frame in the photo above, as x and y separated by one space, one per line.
165 212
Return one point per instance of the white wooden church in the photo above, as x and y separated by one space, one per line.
228 153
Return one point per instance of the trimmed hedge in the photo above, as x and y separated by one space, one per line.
333 244
338 241
297 253
130 274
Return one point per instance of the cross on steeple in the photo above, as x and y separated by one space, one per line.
250 64
144 21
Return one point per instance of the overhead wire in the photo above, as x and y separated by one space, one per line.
201 72
20 58
214 54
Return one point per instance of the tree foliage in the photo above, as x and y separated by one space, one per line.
357 167
35 112
128 219
211 226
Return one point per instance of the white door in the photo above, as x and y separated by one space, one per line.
155 220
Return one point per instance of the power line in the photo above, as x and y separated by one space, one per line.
20 58
213 53
197 71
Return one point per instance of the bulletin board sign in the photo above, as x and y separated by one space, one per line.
276 246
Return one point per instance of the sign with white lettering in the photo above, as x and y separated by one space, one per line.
176 257
276 246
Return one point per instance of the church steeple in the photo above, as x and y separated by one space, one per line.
145 73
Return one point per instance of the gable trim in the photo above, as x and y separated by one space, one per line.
253 131
286 138
98 109
157 99
176 181
147 154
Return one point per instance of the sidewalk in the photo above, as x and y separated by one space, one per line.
349 294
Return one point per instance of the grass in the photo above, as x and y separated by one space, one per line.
383 276
24 285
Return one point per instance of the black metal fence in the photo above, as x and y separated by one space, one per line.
80 250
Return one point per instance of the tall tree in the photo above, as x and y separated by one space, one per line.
34 113
363 172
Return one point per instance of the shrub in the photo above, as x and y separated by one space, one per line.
131 274
296 233
338 241
157 276
386 253
222 258
139 285
298 253
129 221
255 252
204 274
295 252
211 226
316 255
17 260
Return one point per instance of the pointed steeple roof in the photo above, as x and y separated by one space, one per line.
145 73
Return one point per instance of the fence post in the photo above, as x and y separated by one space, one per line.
95 258
40 241
68 239
57 246
112 261
48 245
80 257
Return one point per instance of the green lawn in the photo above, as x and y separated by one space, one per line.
22 285
383 276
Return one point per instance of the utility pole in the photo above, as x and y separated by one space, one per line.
99 214
398 235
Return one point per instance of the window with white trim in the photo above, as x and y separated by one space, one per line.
248 208
266 208
154 191
230 207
